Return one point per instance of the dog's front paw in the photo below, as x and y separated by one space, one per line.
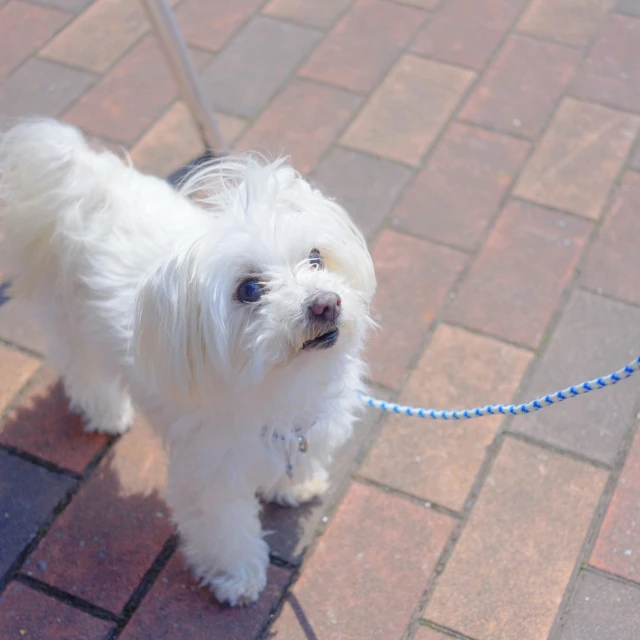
287 494
237 588
242 583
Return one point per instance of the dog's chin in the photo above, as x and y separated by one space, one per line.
323 341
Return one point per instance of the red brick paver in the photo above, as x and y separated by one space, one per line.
365 556
520 89
396 122
618 547
15 370
302 122
466 32
568 21
42 424
489 151
602 608
28 496
178 605
628 7
91 551
99 36
432 460
437 206
16 327
612 331
578 158
611 73
519 546
174 140
514 285
25 613
72 6
423 4
366 186
634 162
612 264
255 64
139 87
24 28
209 24
425 633
40 87
363 44
413 279
308 12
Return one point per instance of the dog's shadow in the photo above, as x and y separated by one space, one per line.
113 531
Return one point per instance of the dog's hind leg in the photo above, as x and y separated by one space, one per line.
100 397
103 402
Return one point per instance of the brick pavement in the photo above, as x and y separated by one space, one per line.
489 151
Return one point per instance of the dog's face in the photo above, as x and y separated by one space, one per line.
278 277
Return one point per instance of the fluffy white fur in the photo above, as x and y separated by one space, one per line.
134 286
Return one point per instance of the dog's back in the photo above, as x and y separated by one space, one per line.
81 230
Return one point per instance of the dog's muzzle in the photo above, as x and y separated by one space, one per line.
324 312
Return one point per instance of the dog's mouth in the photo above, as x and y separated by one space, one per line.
324 341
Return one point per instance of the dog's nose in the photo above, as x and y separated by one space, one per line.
326 306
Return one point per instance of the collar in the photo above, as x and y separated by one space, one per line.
294 442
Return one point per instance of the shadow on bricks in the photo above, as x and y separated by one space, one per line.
112 540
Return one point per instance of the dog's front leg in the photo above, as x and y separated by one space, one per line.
309 480
217 516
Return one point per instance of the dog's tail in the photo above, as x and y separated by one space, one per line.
50 180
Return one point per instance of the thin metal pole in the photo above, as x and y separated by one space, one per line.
175 50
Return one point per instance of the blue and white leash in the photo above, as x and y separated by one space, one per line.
296 441
507 409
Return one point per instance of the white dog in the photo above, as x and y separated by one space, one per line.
232 312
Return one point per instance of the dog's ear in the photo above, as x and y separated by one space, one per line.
169 345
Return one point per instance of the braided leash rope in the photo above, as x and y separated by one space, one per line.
507 409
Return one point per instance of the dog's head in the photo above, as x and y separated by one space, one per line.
275 276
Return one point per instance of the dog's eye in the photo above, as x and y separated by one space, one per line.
316 260
250 290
